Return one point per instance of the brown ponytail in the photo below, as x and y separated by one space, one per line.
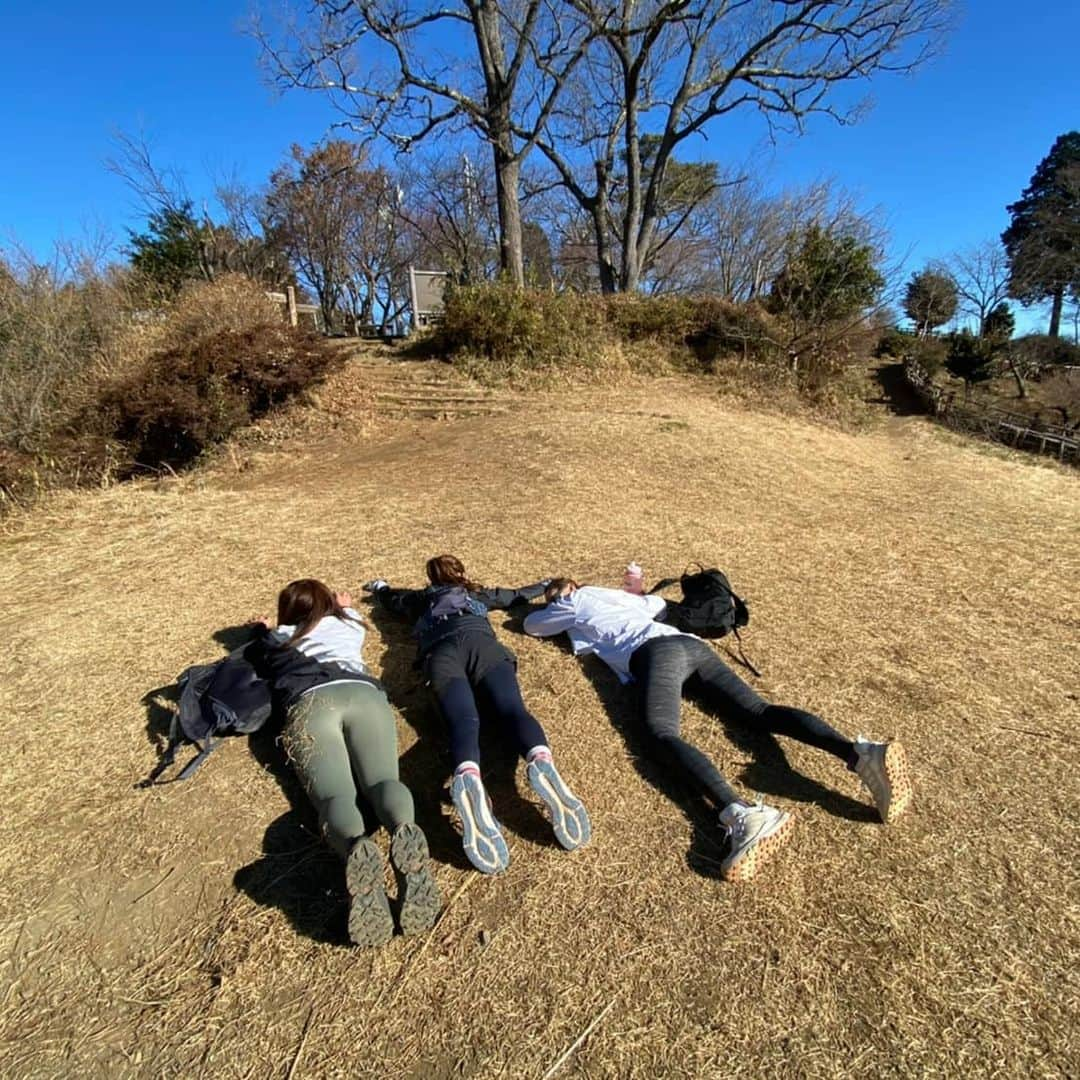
449 570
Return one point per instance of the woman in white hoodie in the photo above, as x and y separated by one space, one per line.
619 627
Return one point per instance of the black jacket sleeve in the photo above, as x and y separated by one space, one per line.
408 602
497 599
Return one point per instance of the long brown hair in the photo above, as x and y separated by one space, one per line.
449 570
303 603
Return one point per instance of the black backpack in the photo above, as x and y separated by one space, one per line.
228 697
710 607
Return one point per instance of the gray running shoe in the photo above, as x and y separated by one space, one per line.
482 837
370 921
569 818
883 768
417 890
756 834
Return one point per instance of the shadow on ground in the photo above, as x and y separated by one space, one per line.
897 394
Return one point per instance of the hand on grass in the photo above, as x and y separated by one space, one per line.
343 599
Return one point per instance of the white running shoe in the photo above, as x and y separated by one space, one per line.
756 833
883 768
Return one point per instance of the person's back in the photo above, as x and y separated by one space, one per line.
610 622
341 738
332 640
661 660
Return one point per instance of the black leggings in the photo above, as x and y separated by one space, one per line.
664 665
462 671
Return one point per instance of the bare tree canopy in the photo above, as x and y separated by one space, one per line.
660 73
339 220
182 243
981 275
407 71
608 94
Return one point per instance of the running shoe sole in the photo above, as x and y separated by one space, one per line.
370 921
418 890
895 767
569 818
767 844
482 840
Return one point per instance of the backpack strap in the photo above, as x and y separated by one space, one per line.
195 764
663 584
742 656
177 738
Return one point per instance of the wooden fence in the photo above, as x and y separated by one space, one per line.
294 311
999 425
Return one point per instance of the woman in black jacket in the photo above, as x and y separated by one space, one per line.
463 661
341 737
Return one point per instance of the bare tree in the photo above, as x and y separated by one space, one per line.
236 245
391 69
981 275
736 241
450 206
340 222
670 68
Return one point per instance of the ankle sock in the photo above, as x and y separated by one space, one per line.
538 753
467 767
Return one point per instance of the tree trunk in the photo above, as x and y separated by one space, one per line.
1021 389
507 174
599 211
630 272
604 268
1055 312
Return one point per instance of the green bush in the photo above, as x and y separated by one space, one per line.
969 357
929 353
189 397
896 343
633 318
519 329
827 276
1034 353
717 328
511 329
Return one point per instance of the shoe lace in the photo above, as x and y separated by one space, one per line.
737 829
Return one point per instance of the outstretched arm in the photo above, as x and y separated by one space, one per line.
407 602
498 599
554 619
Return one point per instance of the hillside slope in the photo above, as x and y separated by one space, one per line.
901 583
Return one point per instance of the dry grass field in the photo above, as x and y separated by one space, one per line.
902 583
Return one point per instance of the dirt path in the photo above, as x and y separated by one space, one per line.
901 583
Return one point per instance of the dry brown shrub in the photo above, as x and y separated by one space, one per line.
67 343
201 309
187 398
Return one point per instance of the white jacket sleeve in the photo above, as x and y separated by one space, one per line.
554 619
654 604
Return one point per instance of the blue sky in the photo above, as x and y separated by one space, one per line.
941 153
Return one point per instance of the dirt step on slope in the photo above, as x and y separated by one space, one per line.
425 389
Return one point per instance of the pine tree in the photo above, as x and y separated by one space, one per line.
1043 240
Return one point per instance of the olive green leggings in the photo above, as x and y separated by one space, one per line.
342 739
